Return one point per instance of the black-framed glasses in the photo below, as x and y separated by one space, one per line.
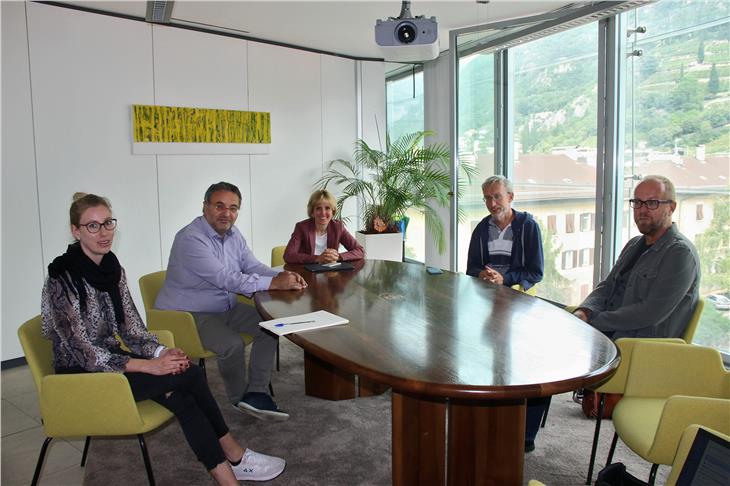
649 203
95 226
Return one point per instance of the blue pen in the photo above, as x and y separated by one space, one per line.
291 323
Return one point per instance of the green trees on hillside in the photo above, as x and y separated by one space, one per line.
701 52
713 85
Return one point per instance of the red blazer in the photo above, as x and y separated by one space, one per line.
302 242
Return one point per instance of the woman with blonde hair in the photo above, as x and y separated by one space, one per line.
86 303
318 238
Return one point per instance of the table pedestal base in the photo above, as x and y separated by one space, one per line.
457 442
323 380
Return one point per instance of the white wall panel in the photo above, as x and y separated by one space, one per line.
68 90
339 120
22 260
198 70
436 118
86 71
373 104
285 83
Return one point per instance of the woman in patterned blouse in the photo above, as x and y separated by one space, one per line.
86 302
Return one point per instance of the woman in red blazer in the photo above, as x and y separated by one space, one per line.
317 239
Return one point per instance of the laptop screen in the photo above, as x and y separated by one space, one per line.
708 462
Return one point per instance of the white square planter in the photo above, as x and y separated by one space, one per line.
382 246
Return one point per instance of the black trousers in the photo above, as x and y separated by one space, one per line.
191 402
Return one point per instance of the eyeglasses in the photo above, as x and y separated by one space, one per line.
649 203
497 197
220 207
95 226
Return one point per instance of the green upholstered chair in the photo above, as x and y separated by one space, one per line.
669 387
617 382
277 256
689 332
685 444
180 324
531 291
86 404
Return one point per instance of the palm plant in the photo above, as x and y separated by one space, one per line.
390 183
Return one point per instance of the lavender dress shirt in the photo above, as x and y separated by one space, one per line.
207 270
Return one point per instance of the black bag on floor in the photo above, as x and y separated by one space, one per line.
617 475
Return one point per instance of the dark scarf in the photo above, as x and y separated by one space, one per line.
76 266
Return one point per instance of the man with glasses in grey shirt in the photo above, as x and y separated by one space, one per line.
653 288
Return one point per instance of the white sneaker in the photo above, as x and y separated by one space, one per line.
258 467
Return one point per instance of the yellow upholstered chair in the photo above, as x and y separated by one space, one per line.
685 444
669 387
689 332
180 324
531 291
277 256
617 382
86 404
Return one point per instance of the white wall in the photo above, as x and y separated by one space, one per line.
198 70
437 110
22 260
67 91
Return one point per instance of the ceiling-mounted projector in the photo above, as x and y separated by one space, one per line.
406 38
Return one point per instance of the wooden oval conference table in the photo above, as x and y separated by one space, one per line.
461 355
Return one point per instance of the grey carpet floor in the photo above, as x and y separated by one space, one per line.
339 443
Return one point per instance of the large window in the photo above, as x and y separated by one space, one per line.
554 166
672 116
404 105
555 86
476 140
677 125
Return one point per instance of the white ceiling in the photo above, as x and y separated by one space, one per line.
341 27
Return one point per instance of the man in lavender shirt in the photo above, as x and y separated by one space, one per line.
210 263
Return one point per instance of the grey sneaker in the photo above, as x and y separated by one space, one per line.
261 406
258 467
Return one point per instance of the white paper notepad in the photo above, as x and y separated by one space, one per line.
303 322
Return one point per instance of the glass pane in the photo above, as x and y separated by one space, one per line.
678 113
404 105
405 115
476 140
555 103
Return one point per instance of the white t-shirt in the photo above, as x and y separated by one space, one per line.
320 244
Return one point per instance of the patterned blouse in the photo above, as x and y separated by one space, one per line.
88 341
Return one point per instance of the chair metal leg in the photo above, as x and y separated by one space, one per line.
277 355
271 389
146 457
652 474
613 448
86 450
201 364
545 413
596 433
39 464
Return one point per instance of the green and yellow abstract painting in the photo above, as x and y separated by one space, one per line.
165 124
